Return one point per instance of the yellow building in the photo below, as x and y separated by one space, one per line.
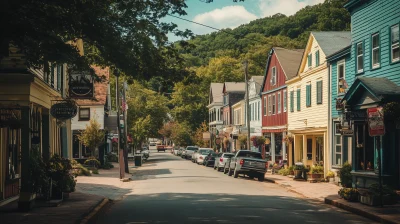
26 96
308 93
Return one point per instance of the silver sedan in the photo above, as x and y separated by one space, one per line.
220 161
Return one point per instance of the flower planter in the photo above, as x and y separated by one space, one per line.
314 177
374 200
297 174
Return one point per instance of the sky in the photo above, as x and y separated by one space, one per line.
228 14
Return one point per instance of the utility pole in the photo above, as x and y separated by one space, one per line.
120 152
245 64
125 129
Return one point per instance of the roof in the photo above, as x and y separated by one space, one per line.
258 81
100 88
235 87
290 60
216 90
332 41
379 87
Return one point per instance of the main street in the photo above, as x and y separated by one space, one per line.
168 189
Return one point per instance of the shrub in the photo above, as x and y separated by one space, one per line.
345 175
107 166
298 167
291 168
350 194
111 157
92 161
373 189
330 174
95 171
79 170
284 172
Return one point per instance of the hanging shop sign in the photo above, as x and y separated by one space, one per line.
376 124
64 110
339 104
81 85
10 117
206 135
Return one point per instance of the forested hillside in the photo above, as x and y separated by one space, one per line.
217 57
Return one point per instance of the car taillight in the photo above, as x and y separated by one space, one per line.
266 165
241 162
201 157
221 159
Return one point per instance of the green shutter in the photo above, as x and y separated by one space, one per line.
298 100
308 95
317 58
291 101
319 92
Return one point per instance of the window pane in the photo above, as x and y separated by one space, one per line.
395 34
375 41
338 140
360 63
338 149
341 71
396 53
359 49
375 57
338 159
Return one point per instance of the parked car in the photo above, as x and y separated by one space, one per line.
183 154
190 151
201 154
160 148
210 159
221 159
179 151
248 163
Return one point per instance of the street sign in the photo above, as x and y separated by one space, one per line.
376 124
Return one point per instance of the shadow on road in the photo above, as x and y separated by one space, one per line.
221 208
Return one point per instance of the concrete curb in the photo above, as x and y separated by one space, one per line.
94 211
288 189
359 212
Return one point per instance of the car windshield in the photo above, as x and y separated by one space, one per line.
228 155
191 148
256 155
204 151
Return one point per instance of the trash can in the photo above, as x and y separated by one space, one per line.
138 160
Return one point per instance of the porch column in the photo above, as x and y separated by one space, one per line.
327 155
26 198
284 147
305 150
293 155
46 137
273 147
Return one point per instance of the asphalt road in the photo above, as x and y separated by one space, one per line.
168 189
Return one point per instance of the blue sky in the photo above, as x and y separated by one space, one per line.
228 14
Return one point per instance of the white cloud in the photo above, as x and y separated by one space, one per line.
226 17
287 7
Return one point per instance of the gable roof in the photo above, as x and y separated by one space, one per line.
235 86
100 88
289 59
258 80
332 41
216 91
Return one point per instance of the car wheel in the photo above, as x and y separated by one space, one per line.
235 173
261 177
224 170
229 172
215 167
218 168
251 176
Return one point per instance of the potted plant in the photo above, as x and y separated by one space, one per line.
345 175
298 171
316 173
349 194
291 172
330 176
372 195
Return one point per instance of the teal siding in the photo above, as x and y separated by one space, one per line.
372 17
349 73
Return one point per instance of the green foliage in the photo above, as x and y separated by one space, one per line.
79 170
330 174
93 136
95 171
317 169
298 167
284 172
350 194
59 170
92 161
38 174
345 175
181 134
373 189
107 166
198 136
111 157
243 140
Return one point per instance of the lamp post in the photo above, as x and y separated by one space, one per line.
120 152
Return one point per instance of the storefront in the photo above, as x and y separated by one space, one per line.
372 150
275 147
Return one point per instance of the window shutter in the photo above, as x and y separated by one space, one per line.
308 95
291 101
319 92
298 100
317 58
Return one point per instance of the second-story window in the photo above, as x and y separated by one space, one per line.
317 58
284 101
269 105
360 57
273 99
273 76
265 106
84 114
375 52
59 77
279 103
395 42
341 88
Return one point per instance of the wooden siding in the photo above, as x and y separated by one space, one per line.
372 17
315 115
349 77
274 119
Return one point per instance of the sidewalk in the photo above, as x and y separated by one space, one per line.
328 193
72 210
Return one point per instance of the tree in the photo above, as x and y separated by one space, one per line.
181 134
92 137
198 136
127 34
140 130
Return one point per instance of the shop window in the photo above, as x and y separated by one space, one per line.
395 42
338 146
365 159
319 144
12 162
84 114
75 147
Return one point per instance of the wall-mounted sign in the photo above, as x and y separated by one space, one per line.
64 110
10 117
375 121
347 132
80 85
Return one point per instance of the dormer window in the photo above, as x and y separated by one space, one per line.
273 76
